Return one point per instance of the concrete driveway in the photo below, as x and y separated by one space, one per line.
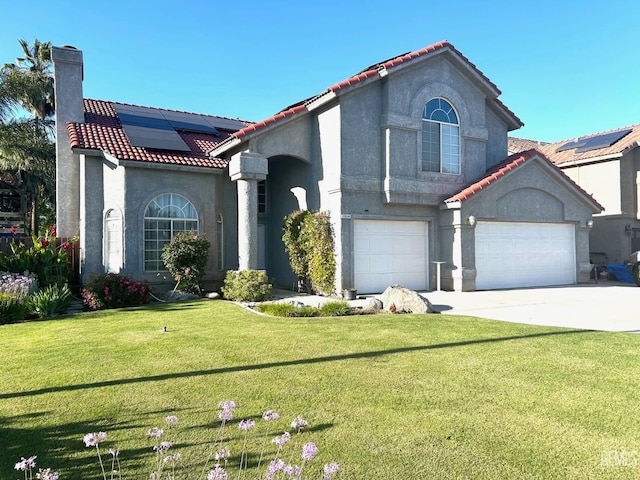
608 305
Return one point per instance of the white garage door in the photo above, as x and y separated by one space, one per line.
511 254
390 252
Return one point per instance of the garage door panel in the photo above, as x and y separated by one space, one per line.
515 254
390 252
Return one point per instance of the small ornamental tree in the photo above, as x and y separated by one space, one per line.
308 240
186 257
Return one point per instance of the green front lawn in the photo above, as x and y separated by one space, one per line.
387 396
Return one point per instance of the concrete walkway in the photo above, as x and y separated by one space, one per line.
607 306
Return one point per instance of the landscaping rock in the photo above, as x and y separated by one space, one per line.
212 295
399 299
372 303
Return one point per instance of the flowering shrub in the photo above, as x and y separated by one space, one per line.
166 462
111 290
48 262
186 257
18 285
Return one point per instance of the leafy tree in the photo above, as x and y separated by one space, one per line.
27 148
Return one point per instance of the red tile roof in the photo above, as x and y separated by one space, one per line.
509 164
373 72
103 131
517 145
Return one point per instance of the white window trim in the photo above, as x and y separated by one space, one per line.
420 143
172 221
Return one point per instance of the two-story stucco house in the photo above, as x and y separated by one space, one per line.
409 157
607 165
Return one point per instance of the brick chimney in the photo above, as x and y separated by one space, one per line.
68 76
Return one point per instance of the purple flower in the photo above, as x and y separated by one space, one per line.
329 470
93 439
47 474
299 423
270 415
155 432
26 463
172 458
227 405
274 467
171 420
225 415
226 409
217 473
222 454
246 425
163 447
309 451
282 439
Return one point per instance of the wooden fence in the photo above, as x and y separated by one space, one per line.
73 252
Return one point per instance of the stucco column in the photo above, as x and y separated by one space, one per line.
247 169
463 252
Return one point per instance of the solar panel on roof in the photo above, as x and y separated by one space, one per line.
147 128
189 121
155 138
226 123
149 122
603 140
595 142
570 145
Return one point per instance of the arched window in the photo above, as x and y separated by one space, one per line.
165 216
440 138
113 241
220 241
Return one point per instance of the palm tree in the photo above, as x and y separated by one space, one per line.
29 81
27 148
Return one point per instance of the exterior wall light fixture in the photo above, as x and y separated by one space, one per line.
471 220
590 224
627 228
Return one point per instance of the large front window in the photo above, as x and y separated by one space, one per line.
165 216
440 138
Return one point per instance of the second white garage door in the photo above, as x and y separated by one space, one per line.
513 254
388 252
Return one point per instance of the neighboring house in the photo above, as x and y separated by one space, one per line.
409 157
607 165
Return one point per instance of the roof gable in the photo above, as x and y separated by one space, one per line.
511 163
373 73
103 131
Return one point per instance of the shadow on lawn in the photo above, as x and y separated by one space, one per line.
55 445
303 361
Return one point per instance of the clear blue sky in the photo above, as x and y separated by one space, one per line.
567 68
